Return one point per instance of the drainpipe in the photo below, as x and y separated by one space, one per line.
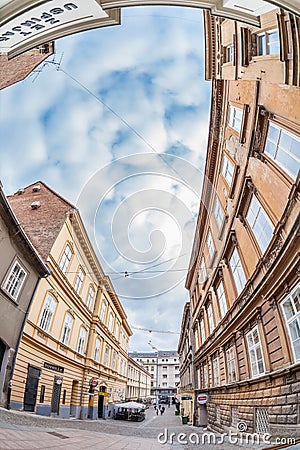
194 377
19 342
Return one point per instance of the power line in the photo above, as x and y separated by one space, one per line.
150 330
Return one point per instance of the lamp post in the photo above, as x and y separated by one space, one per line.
156 349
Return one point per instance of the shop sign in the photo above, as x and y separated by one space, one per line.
202 399
46 22
54 367
104 394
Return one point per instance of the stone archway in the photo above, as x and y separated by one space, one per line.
29 23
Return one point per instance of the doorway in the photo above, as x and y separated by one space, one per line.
56 395
2 351
32 381
74 403
100 406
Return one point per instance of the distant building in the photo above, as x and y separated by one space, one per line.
243 278
163 367
186 352
72 359
20 270
18 68
139 381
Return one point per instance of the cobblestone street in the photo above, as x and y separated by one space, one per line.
20 430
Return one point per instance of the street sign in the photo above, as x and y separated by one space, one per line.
202 399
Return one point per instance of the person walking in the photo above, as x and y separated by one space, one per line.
162 410
156 411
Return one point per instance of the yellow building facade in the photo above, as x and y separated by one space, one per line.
72 360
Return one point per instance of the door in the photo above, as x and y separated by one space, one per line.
33 375
56 395
100 406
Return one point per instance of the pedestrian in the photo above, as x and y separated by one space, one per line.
156 411
162 410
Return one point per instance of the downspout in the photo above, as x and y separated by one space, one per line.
194 378
19 342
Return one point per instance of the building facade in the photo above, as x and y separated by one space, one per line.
139 381
244 272
18 68
72 359
20 270
163 367
186 356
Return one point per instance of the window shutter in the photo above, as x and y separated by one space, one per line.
245 46
253 45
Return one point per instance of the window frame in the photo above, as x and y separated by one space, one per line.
210 318
97 350
220 218
65 258
224 171
235 118
210 246
256 225
222 300
266 34
11 285
68 330
81 340
216 371
103 311
45 317
294 318
268 140
90 298
79 280
236 252
231 365
254 347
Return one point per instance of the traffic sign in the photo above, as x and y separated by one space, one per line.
202 399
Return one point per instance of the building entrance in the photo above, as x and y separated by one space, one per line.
56 395
33 375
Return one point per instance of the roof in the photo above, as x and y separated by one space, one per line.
44 223
20 237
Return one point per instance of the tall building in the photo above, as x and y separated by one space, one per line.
163 367
72 359
20 270
243 278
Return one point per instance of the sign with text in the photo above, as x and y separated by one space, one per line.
46 22
54 367
202 399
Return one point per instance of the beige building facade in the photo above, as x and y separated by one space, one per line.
244 273
72 359
139 382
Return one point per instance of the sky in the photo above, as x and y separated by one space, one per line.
117 123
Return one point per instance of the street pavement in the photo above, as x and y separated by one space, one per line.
21 430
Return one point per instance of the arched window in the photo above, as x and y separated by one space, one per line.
97 350
47 313
81 340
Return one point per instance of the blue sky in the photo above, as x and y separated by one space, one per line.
126 119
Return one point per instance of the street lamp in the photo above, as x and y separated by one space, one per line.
156 349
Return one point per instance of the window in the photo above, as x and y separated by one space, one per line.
65 259
97 350
14 281
81 341
152 369
106 355
79 280
210 245
291 309
229 53
205 376
227 170
121 366
176 367
47 313
216 371
268 43
165 384
202 272
67 329
231 367
90 297
260 223
284 148
117 329
222 299
210 318
202 331
165 376
165 368
237 271
218 212
114 359
103 311
111 322
235 118
255 353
